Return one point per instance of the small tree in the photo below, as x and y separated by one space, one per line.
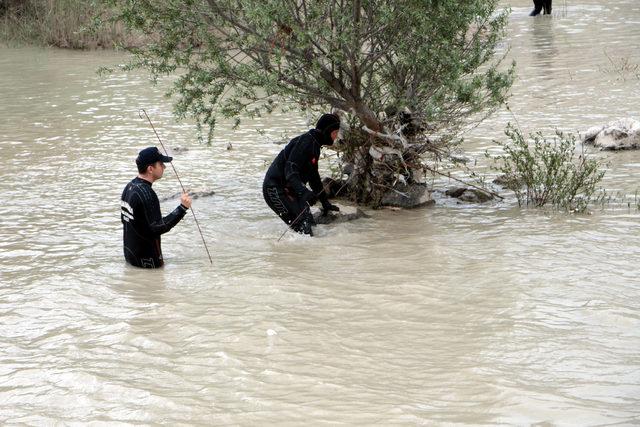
398 70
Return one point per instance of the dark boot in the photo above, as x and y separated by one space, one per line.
308 223
547 7
306 228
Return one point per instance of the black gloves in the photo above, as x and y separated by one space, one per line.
326 207
309 197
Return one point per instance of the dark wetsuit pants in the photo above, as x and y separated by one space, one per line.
539 5
289 208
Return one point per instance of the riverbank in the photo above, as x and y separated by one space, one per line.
69 24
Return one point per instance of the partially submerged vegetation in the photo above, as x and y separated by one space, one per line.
545 172
616 200
622 67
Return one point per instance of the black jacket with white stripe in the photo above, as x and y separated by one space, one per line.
143 224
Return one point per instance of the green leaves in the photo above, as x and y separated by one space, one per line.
543 172
362 56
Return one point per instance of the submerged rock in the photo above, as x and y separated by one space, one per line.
403 195
506 182
471 195
408 196
620 134
195 194
347 213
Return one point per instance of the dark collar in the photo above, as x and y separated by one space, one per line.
142 181
320 137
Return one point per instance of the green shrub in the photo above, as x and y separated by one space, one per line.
548 172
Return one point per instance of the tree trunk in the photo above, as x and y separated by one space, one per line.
367 117
379 165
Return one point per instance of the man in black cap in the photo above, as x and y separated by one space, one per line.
140 212
284 188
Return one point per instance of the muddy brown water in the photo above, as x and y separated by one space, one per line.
457 314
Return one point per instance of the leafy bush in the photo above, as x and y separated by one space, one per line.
543 172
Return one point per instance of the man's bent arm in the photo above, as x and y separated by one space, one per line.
168 222
156 223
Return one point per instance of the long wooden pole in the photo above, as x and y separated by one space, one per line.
179 180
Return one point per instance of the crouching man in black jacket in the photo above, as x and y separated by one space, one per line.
284 188
140 212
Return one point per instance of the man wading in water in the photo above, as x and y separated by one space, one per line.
539 6
140 212
284 187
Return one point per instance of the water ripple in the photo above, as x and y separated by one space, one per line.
456 314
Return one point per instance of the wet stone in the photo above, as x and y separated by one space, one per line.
470 195
347 213
195 194
408 196
623 134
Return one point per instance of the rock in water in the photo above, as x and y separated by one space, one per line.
620 134
195 194
347 213
471 195
408 196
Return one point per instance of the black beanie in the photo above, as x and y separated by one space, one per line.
327 124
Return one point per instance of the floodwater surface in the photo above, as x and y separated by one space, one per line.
456 314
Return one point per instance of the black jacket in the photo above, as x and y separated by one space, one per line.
297 165
143 224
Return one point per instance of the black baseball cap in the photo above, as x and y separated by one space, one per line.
150 155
